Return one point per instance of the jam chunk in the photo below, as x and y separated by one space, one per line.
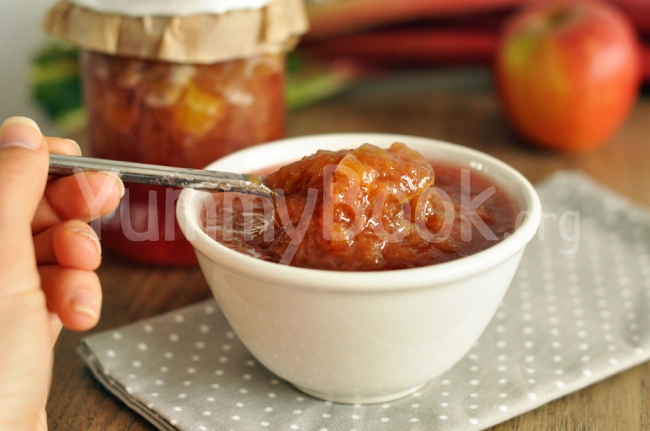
363 205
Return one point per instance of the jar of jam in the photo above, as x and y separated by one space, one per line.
178 84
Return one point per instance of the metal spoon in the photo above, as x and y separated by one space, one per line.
166 176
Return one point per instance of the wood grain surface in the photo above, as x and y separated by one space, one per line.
456 106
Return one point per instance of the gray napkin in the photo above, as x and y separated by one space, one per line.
577 312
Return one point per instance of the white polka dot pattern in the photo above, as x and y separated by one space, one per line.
568 320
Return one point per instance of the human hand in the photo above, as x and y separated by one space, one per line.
48 255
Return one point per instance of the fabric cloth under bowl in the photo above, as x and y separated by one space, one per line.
567 321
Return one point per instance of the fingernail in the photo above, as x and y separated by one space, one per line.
82 302
76 145
21 120
24 133
119 182
89 233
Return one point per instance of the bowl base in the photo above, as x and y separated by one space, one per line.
357 399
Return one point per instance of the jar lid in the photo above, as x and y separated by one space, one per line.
207 37
140 8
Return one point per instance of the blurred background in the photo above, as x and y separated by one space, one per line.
434 32
21 37
350 41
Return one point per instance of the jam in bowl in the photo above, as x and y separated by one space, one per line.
366 209
334 325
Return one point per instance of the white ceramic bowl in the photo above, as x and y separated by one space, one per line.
356 337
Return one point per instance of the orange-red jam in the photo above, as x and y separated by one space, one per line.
366 209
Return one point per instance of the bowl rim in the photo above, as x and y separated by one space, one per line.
403 279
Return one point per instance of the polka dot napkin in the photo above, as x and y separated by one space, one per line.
577 311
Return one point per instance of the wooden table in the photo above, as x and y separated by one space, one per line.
456 106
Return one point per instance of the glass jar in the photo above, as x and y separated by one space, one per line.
174 114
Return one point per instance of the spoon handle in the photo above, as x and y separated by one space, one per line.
161 175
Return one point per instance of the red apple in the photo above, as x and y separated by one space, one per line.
568 74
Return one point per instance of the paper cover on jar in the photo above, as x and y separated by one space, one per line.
202 38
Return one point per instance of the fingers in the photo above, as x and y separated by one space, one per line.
75 295
93 195
82 196
72 290
71 244
23 173
63 146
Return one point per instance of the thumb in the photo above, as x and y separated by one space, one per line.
23 174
